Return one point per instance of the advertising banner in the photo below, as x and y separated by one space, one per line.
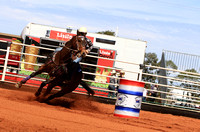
64 36
105 53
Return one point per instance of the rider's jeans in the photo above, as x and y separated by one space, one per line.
58 49
78 59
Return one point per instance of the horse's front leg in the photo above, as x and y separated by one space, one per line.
42 98
43 68
48 90
58 94
66 88
23 81
44 83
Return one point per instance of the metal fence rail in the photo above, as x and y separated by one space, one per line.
192 100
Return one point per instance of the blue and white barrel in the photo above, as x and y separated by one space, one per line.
129 98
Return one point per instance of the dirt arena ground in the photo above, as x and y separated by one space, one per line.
20 112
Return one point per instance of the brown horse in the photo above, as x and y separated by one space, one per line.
67 85
73 47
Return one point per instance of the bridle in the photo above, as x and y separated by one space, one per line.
80 46
80 42
79 39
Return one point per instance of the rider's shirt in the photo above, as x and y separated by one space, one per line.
89 44
88 47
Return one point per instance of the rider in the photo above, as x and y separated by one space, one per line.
88 46
76 67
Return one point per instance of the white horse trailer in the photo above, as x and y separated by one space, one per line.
127 50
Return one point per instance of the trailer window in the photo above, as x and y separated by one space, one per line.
90 60
106 41
50 43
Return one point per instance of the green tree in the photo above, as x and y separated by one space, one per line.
187 76
107 32
150 59
170 64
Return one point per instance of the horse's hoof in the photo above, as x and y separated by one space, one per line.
47 101
18 85
41 99
37 94
91 93
44 100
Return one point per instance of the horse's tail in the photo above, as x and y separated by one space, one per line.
86 86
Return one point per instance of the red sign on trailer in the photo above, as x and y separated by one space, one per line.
105 53
64 36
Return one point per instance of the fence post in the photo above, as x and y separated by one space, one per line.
163 81
6 61
140 72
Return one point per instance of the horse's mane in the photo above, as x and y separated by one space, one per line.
65 54
69 43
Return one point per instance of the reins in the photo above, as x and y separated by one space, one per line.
76 45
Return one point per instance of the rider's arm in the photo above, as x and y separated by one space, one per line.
89 45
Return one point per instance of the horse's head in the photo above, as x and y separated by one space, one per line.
80 42
76 45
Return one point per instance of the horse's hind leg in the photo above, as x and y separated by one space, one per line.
85 85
